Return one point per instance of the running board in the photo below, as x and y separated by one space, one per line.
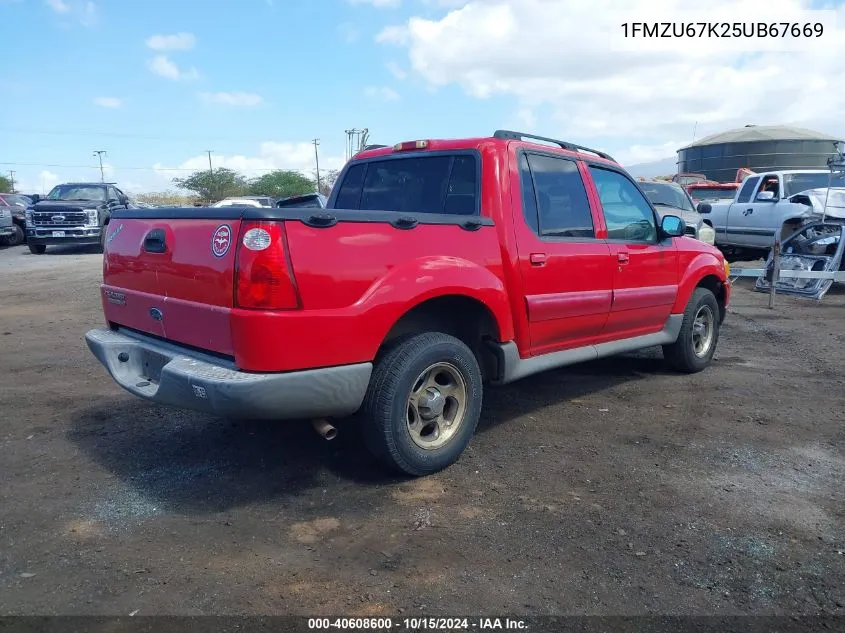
512 367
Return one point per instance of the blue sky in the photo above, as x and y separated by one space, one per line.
313 64
155 83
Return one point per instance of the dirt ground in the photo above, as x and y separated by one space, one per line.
612 487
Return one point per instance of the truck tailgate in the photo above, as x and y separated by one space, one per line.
172 278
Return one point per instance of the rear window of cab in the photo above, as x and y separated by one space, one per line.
439 183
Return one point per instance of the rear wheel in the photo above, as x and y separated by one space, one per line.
696 344
423 403
37 249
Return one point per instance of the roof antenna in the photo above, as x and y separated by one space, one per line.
694 128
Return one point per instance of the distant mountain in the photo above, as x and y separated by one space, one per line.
663 167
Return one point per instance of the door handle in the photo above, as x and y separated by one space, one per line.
154 241
622 258
537 259
748 212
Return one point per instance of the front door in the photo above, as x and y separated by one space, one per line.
759 221
739 228
645 278
567 272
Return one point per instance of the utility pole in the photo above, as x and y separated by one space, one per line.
211 186
99 154
12 178
353 137
316 142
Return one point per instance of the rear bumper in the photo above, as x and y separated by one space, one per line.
178 377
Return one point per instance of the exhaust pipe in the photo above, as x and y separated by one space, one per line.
324 429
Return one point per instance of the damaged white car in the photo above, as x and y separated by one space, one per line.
775 203
817 247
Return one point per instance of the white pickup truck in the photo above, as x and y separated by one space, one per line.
774 202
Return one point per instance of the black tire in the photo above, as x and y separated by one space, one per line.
686 354
17 237
37 249
385 412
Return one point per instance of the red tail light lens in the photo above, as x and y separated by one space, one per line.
264 279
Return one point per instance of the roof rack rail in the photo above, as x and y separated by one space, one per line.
572 147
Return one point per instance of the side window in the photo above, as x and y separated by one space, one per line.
529 199
561 205
770 183
112 194
626 211
349 195
463 185
748 189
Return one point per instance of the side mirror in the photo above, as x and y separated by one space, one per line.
704 207
672 226
35 198
765 196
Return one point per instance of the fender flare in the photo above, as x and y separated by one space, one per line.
703 265
412 283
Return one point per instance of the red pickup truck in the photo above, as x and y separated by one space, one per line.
437 266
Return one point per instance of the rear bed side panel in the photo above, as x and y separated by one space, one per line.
356 280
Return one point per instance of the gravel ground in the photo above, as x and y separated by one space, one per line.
612 487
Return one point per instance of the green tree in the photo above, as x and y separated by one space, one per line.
281 184
166 198
212 186
5 185
327 180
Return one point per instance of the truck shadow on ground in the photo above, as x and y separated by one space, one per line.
190 463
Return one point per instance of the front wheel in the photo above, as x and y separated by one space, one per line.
37 249
17 237
696 343
423 403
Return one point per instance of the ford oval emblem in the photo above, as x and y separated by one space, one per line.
156 314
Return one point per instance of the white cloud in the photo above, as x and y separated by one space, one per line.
108 102
348 32
396 70
271 155
381 92
175 42
58 6
163 67
88 15
85 12
559 56
381 4
244 99
393 35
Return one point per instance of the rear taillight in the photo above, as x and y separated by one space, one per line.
264 279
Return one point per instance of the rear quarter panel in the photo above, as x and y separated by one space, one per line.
356 280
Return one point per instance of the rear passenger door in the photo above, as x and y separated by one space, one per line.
645 269
567 272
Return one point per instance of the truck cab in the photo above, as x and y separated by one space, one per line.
73 213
